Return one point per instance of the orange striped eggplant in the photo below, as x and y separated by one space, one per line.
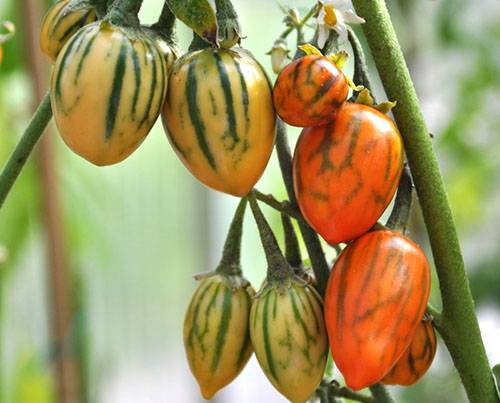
309 91
345 173
417 359
219 118
375 299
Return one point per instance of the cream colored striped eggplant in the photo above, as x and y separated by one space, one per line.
220 119
169 50
216 331
61 22
107 89
289 338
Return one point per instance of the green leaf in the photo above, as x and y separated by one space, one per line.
199 15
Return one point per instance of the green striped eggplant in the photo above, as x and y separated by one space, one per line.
220 118
61 22
216 331
289 338
107 89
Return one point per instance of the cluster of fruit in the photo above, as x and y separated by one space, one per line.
110 82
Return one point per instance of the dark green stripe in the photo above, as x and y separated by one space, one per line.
246 342
58 19
137 73
195 115
116 91
152 88
223 326
75 27
196 303
297 315
228 95
83 57
61 67
267 339
244 92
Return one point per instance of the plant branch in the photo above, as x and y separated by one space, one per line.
166 24
23 149
381 394
313 245
400 215
292 248
282 206
459 328
361 76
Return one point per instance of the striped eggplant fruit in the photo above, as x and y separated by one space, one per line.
289 338
309 91
219 118
216 331
169 50
107 89
346 172
417 358
61 22
375 299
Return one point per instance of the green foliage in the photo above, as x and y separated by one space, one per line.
32 380
198 15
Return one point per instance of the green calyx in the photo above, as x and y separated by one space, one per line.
124 13
229 29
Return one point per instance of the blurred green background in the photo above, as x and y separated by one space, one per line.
130 237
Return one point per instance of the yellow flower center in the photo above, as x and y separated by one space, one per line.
330 17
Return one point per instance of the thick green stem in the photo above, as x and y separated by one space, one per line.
278 268
124 13
381 394
198 43
229 29
166 24
313 245
23 149
400 215
230 263
292 248
459 326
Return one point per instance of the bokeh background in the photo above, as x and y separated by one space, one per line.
110 252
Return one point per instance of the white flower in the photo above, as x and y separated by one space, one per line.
279 55
335 14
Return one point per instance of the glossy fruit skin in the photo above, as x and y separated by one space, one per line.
346 173
289 338
107 89
169 51
417 358
61 22
375 299
309 91
216 332
219 118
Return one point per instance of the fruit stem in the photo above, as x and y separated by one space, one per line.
313 245
284 207
459 325
101 7
166 24
124 13
23 149
229 29
278 269
381 394
230 264
361 76
400 215
292 249
198 43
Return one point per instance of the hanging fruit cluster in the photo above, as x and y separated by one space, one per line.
111 80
